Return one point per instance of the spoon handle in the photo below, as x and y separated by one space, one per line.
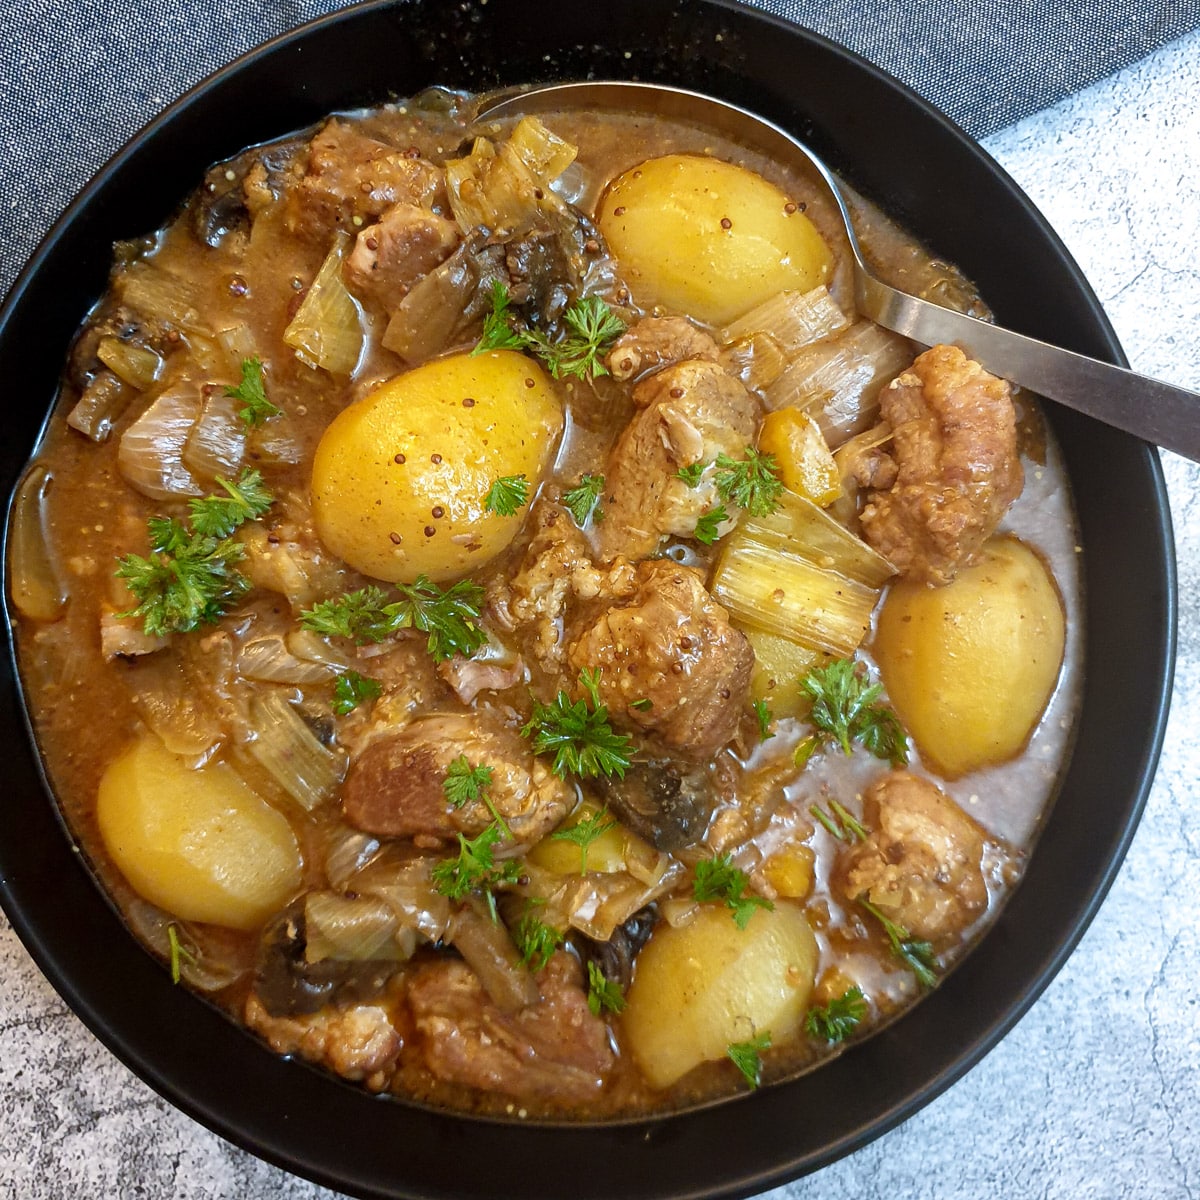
1145 407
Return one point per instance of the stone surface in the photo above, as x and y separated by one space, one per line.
1094 1094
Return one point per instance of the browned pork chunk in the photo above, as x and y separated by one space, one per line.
670 664
955 449
391 255
352 174
358 1042
921 866
395 786
691 412
655 342
552 1050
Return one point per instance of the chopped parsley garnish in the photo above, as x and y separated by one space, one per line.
584 832
498 333
603 994
190 577
747 1057
588 329
579 734
752 483
180 954
449 617
475 869
465 783
506 495
691 473
252 392
536 941
351 689
645 704
584 501
718 879
841 823
245 500
918 956
708 526
763 713
837 1020
846 708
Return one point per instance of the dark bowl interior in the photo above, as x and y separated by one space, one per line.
906 156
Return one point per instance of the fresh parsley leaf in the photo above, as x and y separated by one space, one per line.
752 483
475 869
190 579
180 954
584 832
845 707
351 689
841 823
603 994
718 879
584 501
691 473
506 495
763 713
918 956
580 736
536 941
449 617
588 329
246 500
645 704
747 1057
498 333
708 526
837 1020
361 616
805 749
591 328
252 392
465 783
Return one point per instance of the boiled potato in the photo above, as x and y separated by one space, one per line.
400 477
699 988
971 666
779 665
708 238
605 854
198 843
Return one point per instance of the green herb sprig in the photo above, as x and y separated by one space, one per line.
352 689
584 832
583 502
747 1057
840 822
578 734
917 955
252 392
507 495
536 941
718 879
846 708
474 869
837 1020
751 483
708 526
464 784
603 994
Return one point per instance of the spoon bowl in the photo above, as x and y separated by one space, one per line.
1150 409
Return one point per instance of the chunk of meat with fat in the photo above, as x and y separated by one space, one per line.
671 644
389 257
954 443
655 342
556 570
921 865
353 174
691 412
552 1050
394 787
358 1042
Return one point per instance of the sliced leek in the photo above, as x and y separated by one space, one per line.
286 748
793 319
327 329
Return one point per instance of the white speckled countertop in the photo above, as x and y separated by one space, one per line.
1096 1093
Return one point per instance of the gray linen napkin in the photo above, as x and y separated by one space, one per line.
78 77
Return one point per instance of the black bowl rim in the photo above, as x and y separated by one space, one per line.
270 1136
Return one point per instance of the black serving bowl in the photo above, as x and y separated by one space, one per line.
922 169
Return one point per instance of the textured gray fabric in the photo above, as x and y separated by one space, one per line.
78 77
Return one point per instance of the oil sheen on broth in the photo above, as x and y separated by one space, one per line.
485 542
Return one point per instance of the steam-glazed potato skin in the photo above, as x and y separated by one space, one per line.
200 844
699 988
400 477
708 238
971 666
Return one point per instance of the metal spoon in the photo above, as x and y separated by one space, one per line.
1148 408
